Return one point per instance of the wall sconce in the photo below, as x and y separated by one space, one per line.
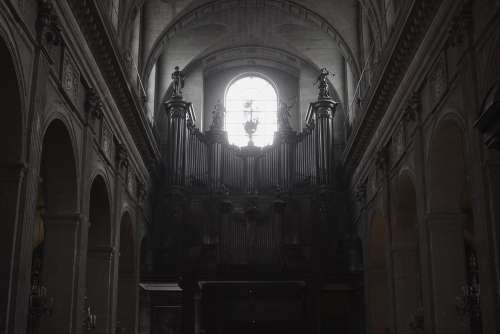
416 322
40 305
90 318
468 303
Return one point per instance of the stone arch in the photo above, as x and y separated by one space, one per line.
447 148
126 313
377 289
405 238
11 176
449 216
99 254
56 231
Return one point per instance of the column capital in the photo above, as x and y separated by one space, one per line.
323 108
178 108
65 219
12 170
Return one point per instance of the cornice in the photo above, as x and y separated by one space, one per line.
106 54
403 51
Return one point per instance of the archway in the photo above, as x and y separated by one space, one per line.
99 255
56 230
377 289
11 177
405 253
126 313
449 221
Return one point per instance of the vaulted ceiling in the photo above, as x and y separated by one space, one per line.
317 33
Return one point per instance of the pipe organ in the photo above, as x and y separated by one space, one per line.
243 226
206 160
259 200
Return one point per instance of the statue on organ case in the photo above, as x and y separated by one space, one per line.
218 117
284 117
178 82
324 87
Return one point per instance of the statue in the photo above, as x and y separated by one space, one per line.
284 116
178 82
324 90
218 117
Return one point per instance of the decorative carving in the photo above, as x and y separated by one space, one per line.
360 194
460 26
70 78
47 24
382 159
438 78
106 141
412 108
141 193
131 183
121 156
398 142
93 104
177 82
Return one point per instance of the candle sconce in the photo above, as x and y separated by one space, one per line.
469 302
90 318
40 305
416 322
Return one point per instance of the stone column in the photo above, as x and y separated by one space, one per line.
11 179
323 112
448 269
59 271
127 311
99 278
406 285
179 114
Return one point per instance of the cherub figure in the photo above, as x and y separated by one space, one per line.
178 82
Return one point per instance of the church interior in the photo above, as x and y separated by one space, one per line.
250 166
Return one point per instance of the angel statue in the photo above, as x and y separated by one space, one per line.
218 117
178 82
284 117
324 88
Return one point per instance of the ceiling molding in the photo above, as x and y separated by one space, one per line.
103 47
401 54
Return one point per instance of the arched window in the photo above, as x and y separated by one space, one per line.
251 97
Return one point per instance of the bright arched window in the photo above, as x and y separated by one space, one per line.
251 97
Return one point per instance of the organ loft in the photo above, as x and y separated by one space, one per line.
249 166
